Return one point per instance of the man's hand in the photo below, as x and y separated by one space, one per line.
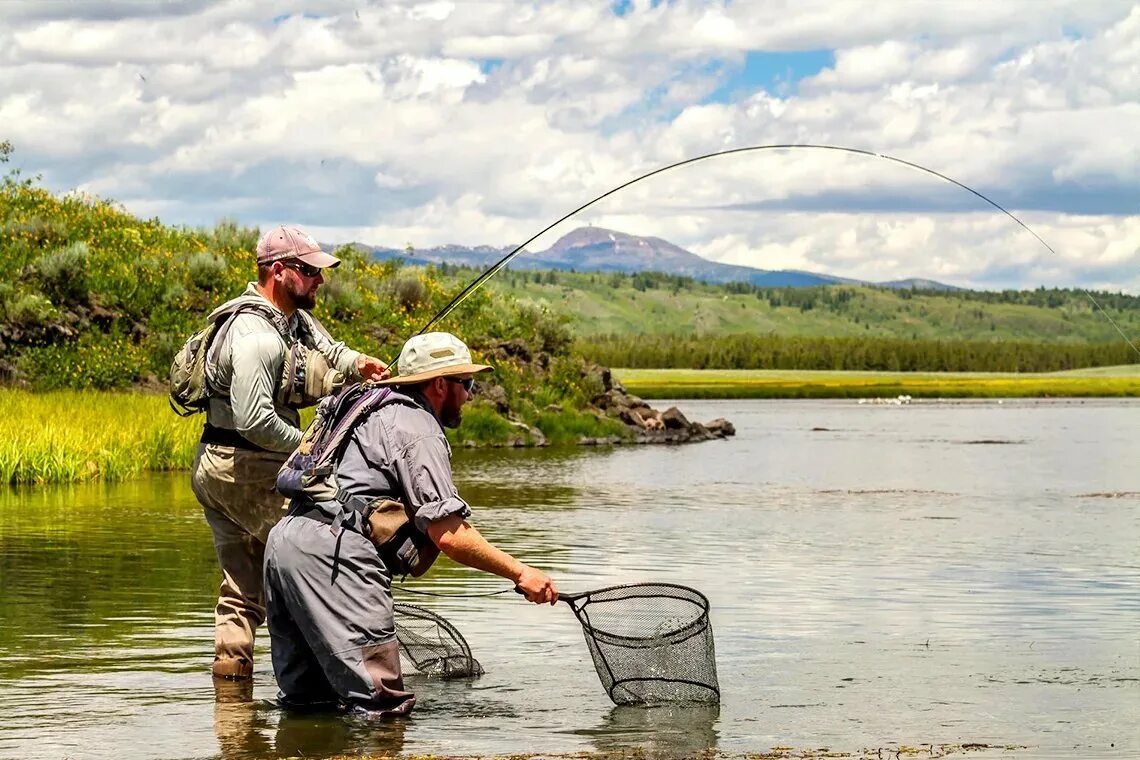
371 368
536 586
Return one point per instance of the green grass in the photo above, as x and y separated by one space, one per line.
71 436
658 383
76 436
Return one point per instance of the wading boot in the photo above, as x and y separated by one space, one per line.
232 668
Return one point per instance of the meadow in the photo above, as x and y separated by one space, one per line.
729 384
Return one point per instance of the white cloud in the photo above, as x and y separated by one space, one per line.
436 122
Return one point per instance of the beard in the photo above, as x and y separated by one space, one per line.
450 415
302 299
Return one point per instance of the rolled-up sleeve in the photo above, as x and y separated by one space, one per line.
424 469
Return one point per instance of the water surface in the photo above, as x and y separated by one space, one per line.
934 573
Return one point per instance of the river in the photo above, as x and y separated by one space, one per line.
880 576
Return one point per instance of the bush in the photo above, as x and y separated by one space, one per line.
207 271
7 292
31 310
96 361
63 274
228 235
341 296
410 291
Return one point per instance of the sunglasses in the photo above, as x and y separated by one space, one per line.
468 383
308 270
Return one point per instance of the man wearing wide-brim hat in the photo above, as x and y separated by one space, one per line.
328 576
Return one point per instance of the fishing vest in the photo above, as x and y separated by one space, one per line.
306 375
308 478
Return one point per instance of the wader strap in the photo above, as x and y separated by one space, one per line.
225 437
345 511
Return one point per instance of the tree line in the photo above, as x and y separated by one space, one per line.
744 351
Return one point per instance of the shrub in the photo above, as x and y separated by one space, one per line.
31 310
341 296
409 290
207 271
63 274
227 234
7 292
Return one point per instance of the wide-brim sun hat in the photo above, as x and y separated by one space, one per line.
431 355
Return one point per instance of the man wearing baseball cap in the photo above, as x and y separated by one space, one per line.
268 358
328 568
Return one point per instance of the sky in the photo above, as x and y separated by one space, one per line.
482 122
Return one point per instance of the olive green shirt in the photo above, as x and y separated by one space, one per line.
247 373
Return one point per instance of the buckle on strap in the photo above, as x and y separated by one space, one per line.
352 513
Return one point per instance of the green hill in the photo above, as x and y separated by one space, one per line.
653 304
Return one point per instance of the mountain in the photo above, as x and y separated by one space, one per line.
595 249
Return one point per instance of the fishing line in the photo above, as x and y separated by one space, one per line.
494 268
453 596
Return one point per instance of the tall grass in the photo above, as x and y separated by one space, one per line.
71 436
775 384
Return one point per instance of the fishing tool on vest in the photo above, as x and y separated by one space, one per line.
492 270
651 642
308 477
432 644
306 378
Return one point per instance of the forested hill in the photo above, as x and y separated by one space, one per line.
656 304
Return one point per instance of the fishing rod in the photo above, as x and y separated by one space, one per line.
498 265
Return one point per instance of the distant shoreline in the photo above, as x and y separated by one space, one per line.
1123 381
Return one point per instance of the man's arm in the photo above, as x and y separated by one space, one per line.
423 467
460 541
351 363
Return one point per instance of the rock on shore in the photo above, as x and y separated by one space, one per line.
648 424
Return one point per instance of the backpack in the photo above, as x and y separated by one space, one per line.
189 387
308 477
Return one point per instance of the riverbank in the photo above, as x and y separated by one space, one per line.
73 436
776 384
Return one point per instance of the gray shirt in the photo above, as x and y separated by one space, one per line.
247 373
400 452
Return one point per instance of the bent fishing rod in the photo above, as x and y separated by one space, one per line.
498 265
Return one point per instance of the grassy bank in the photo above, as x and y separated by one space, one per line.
70 436
673 383
73 436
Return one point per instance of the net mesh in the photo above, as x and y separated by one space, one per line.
651 643
432 644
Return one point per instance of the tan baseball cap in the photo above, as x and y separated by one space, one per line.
431 355
289 242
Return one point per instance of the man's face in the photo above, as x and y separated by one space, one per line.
301 282
456 393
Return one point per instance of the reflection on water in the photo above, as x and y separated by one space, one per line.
877 575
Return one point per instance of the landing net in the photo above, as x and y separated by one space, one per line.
651 642
432 644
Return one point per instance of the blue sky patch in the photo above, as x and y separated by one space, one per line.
776 72
488 65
